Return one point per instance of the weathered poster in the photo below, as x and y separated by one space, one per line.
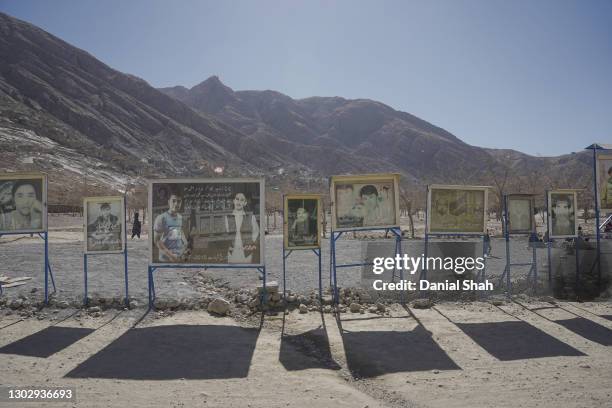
23 203
457 209
302 221
104 224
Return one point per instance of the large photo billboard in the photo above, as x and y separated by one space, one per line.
207 221
457 209
365 201
604 182
521 217
23 203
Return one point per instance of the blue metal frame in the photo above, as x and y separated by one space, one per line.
125 261
286 253
533 270
550 242
153 268
423 275
335 235
595 147
47 266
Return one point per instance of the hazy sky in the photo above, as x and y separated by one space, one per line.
535 76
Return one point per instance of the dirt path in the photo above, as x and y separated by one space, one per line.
453 355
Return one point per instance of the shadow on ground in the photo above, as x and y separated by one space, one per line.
373 353
516 340
174 352
609 317
307 350
588 329
46 342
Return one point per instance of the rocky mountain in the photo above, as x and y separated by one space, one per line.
65 112
337 135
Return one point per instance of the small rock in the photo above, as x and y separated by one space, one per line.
291 299
63 304
219 306
497 302
94 309
303 308
354 307
381 308
373 309
327 309
422 304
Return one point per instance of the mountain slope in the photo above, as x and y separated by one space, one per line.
64 94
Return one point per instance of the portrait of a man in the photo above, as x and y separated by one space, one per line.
302 221
562 214
23 203
105 223
365 201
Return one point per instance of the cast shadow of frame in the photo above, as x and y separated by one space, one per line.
306 350
174 352
588 329
374 353
516 340
46 342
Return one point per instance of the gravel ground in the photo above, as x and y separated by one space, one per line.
22 256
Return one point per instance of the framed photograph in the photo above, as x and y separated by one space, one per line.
104 219
365 201
302 221
562 205
604 182
457 209
23 203
217 221
521 217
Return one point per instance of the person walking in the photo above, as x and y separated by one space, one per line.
136 227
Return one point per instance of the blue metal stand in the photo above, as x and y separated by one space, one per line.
47 266
480 277
286 253
125 262
597 148
549 246
335 235
153 268
533 270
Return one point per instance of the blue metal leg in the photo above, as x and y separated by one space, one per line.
46 268
398 250
150 274
264 292
577 267
85 300
535 270
125 263
284 277
333 255
318 253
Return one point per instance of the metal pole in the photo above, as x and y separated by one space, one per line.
85 300
318 253
125 254
576 246
46 238
507 236
535 269
398 250
284 278
150 274
548 244
597 232
335 278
